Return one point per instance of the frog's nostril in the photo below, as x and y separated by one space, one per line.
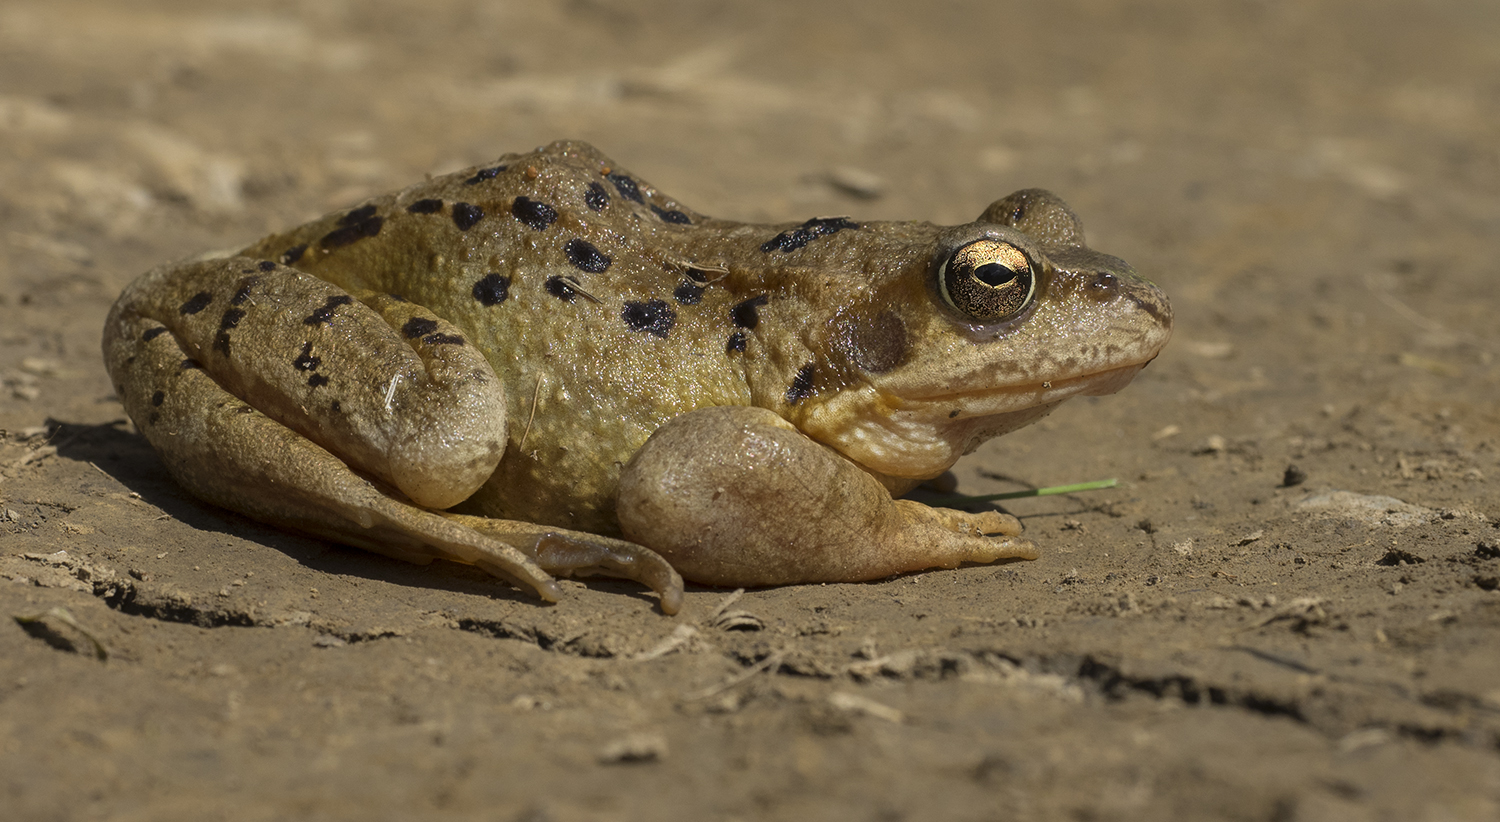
1105 284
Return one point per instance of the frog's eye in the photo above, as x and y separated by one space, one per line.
988 281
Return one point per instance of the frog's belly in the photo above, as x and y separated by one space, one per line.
572 489
565 451
563 468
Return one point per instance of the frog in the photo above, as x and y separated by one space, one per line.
545 367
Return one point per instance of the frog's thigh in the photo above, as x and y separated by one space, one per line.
737 496
199 351
392 390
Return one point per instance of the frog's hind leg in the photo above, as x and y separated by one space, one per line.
572 553
279 396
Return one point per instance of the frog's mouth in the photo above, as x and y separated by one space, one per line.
1009 399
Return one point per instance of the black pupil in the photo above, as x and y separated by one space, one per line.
994 274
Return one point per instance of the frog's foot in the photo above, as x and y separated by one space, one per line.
565 553
737 496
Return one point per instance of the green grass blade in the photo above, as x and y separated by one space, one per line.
1036 492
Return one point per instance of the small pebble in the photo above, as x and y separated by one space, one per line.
1293 476
635 748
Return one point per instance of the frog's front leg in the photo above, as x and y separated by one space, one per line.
738 496
280 396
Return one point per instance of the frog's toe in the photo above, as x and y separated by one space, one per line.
994 524
565 553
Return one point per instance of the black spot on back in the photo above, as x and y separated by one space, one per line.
745 314
158 398
306 361
231 318
672 216
293 254
560 288
196 303
795 238
317 381
654 317
537 215
737 342
325 313
688 293
492 289
153 333
585 257
427 330
596 197
189 364
418 326
802 385
358 215
427 206
484 174
243 288
266 265
466 215
627 187
353 232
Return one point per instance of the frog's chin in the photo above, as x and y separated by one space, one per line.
919 438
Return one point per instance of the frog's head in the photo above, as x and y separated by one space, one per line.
987 328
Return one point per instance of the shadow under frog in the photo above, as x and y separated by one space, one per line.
127 459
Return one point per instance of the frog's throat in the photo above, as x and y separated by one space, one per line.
922 437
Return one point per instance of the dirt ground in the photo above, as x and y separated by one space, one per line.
1315 184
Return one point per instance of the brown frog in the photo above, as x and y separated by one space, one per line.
516 365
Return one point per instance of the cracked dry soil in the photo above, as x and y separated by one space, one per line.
1288 610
